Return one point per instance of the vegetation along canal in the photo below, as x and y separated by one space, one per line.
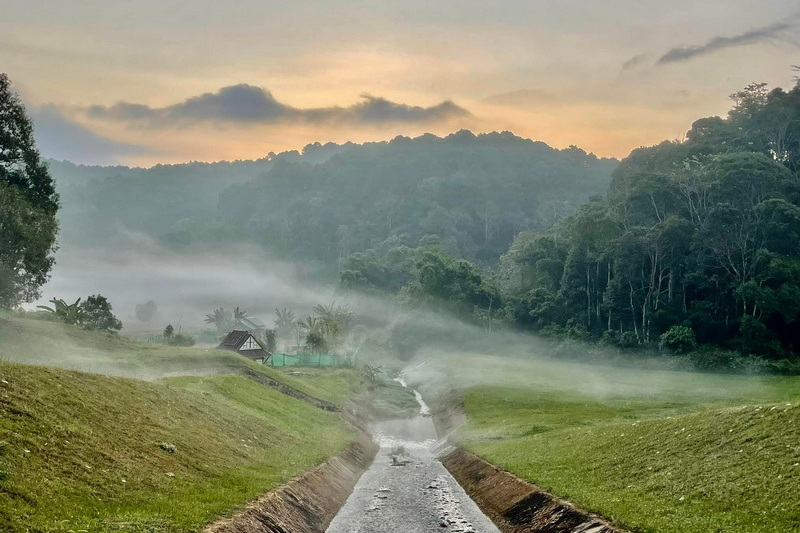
407 488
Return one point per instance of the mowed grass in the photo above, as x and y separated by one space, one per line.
54 344
655 451
86 452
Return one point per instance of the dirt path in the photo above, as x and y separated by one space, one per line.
407 489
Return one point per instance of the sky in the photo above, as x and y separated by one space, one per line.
142 82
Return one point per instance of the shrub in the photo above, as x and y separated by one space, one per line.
679 339
628 340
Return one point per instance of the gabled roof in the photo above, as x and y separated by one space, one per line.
236 339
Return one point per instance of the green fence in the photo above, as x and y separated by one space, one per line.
285 359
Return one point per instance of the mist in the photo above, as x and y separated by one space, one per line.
185 284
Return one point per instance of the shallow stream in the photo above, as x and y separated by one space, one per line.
407 489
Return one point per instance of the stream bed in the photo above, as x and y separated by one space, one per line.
407 489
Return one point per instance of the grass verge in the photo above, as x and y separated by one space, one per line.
653 451
95 453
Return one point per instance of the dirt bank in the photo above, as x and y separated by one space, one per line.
306 504
515 505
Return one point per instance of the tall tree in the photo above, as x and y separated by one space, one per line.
28 205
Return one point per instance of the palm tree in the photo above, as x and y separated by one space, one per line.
311 323
239 315
285 319
323 310
284 322
220 318
335 322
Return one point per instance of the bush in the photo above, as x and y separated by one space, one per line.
628 340
180 340
679 339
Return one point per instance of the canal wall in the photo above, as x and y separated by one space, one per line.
308 503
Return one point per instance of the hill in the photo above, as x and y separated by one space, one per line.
473 192
55 344
652 450
87 452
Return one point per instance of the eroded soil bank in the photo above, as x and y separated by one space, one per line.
308 503
515 505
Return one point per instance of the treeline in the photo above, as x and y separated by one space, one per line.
475 192
695 248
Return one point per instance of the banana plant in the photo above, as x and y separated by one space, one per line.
68 313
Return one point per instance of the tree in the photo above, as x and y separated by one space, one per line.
270 339
284 322
92 313
98 315
679 339
28 205
169 331
221 320
240 314
315 341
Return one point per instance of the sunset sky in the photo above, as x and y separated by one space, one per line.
148 81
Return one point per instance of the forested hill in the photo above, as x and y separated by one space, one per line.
695 243
473 192
693 248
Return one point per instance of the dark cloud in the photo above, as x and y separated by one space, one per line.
773 32
246 104
633 62
60 138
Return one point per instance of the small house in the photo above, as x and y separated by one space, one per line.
244 343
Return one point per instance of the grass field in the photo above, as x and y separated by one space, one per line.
85 452
188 439
655 451
54 344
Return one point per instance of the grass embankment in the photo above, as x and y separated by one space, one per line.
54 344
654 451
89 452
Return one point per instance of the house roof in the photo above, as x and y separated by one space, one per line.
235 340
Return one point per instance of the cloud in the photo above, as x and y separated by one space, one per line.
767 33
633 62
247 104
58 137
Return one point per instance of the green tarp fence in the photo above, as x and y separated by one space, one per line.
285 359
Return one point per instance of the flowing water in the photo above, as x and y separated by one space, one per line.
407 489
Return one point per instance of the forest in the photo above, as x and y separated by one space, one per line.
475 192
693 249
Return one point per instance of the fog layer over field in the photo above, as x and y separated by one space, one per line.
186 284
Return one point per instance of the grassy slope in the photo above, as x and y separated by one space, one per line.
655 451
54 344
72 438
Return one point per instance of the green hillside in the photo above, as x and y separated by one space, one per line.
655 451
95 453
55 344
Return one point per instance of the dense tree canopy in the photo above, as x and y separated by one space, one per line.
28 205
694 245
700 234
474 192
